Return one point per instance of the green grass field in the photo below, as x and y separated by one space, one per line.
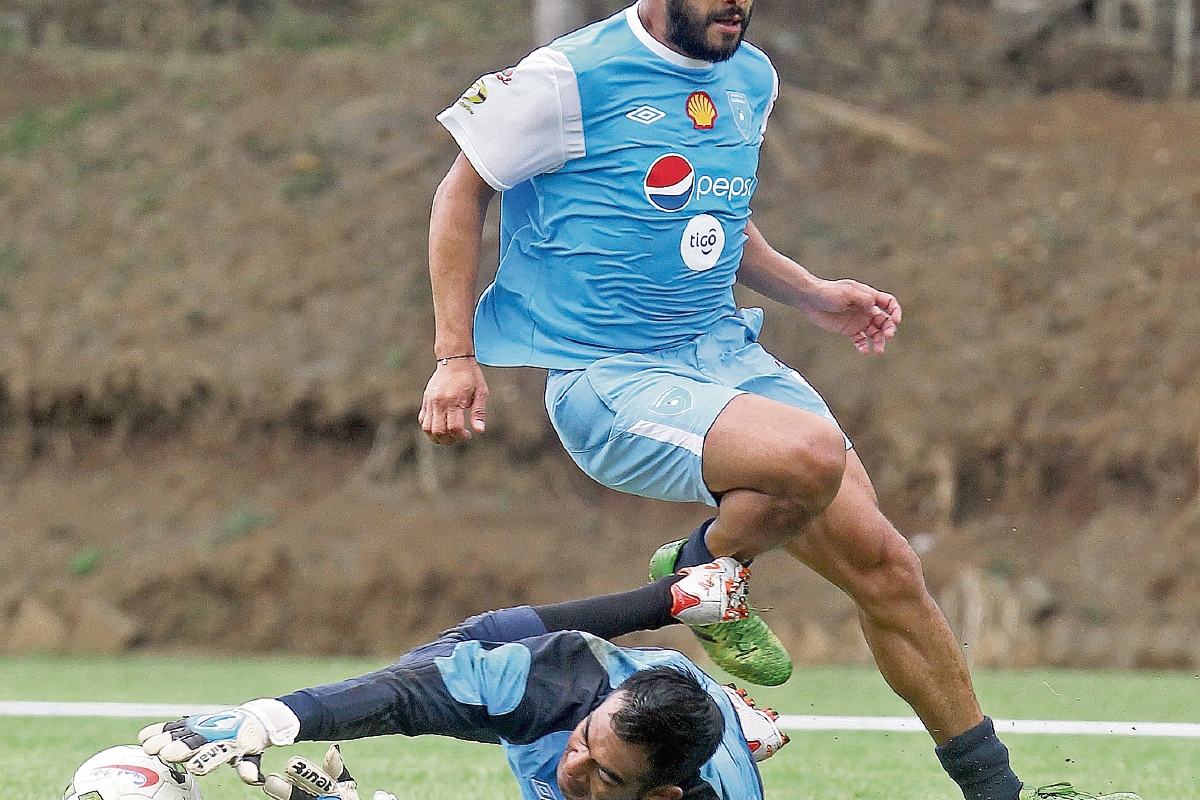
38 754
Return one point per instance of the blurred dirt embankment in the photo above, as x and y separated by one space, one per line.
215 329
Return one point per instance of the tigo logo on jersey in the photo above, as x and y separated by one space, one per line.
701 111
669 182
702 243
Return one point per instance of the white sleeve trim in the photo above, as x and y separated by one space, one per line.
771 102
521 122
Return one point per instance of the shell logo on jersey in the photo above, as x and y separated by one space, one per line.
669 182
701 111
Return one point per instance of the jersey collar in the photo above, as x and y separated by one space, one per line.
657 47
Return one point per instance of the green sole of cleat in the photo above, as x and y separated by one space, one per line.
747 649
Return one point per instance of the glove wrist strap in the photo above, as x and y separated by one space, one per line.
282 725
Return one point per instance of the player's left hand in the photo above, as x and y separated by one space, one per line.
866 315
304 780
238 736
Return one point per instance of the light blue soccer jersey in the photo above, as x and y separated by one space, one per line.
627 172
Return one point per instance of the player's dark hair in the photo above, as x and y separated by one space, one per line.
671 717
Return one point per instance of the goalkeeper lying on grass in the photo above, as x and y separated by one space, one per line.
579 717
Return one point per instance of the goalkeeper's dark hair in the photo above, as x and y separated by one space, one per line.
673 719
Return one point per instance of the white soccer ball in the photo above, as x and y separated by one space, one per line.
126 772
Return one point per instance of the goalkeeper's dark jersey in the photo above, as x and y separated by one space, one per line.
500 678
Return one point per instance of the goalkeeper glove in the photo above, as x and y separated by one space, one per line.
304 780
203 742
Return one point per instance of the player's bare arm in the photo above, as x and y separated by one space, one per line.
455 401
867 316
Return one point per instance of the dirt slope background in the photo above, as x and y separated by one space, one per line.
215 329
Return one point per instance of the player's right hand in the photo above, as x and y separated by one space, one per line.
304 780
454 406
203 742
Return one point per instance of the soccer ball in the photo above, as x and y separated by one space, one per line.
126 772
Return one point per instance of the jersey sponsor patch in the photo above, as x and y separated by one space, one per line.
701 111
702 243
669 182
647 115
474 96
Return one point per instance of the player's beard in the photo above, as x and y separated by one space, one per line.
689 32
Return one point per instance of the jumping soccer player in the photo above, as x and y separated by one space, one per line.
627 155
579 717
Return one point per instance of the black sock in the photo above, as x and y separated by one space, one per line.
978 762
608 616
695 551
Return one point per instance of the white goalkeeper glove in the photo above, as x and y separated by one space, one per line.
203 742
304 780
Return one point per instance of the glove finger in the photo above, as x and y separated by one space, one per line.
180 749
382 795
249 769
308 776
213 755
151 732
276 786
335 765
154 738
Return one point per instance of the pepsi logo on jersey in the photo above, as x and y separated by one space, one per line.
671 182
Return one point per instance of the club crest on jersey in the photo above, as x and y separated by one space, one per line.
670 182
743 115
701 111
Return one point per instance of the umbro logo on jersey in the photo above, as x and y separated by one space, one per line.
647 115
543 790
669 182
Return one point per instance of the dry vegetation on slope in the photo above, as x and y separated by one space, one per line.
215 327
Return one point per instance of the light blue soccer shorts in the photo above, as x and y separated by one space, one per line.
636 422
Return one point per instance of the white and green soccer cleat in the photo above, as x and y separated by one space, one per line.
745 648
1065 791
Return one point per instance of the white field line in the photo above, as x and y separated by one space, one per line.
1053 726
789 722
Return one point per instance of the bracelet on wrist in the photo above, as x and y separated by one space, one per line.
447 359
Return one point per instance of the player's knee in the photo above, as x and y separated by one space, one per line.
815 463
893 578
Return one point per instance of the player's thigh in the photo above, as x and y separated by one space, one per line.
772 447
638 425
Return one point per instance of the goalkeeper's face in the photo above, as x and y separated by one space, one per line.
598 765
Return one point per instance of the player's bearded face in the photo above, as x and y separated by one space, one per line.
707 35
